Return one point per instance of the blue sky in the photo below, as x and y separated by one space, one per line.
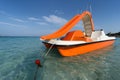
38 17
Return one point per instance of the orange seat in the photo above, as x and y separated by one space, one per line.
76 35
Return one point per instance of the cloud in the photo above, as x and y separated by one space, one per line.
55 19
18 20
3 12
42 23
7 23
10 24
58 12
33 19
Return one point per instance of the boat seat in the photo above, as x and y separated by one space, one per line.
76 35
98 35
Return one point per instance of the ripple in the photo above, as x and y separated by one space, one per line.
18 56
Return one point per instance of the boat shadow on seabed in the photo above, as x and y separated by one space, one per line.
90 66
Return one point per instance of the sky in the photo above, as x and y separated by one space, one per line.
39 17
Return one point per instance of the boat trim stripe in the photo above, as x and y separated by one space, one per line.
80 44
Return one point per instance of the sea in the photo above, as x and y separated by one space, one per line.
18 55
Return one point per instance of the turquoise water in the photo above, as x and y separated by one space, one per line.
17 56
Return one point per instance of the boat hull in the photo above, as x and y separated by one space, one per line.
74 50
83 48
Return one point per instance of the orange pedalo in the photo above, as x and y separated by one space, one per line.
77 42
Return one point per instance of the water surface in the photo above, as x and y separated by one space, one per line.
17 56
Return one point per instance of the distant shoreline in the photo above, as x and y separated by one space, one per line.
18 36
114 34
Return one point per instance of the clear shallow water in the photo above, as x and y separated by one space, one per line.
17 56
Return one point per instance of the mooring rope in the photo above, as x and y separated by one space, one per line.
49 49
35 76
38 61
